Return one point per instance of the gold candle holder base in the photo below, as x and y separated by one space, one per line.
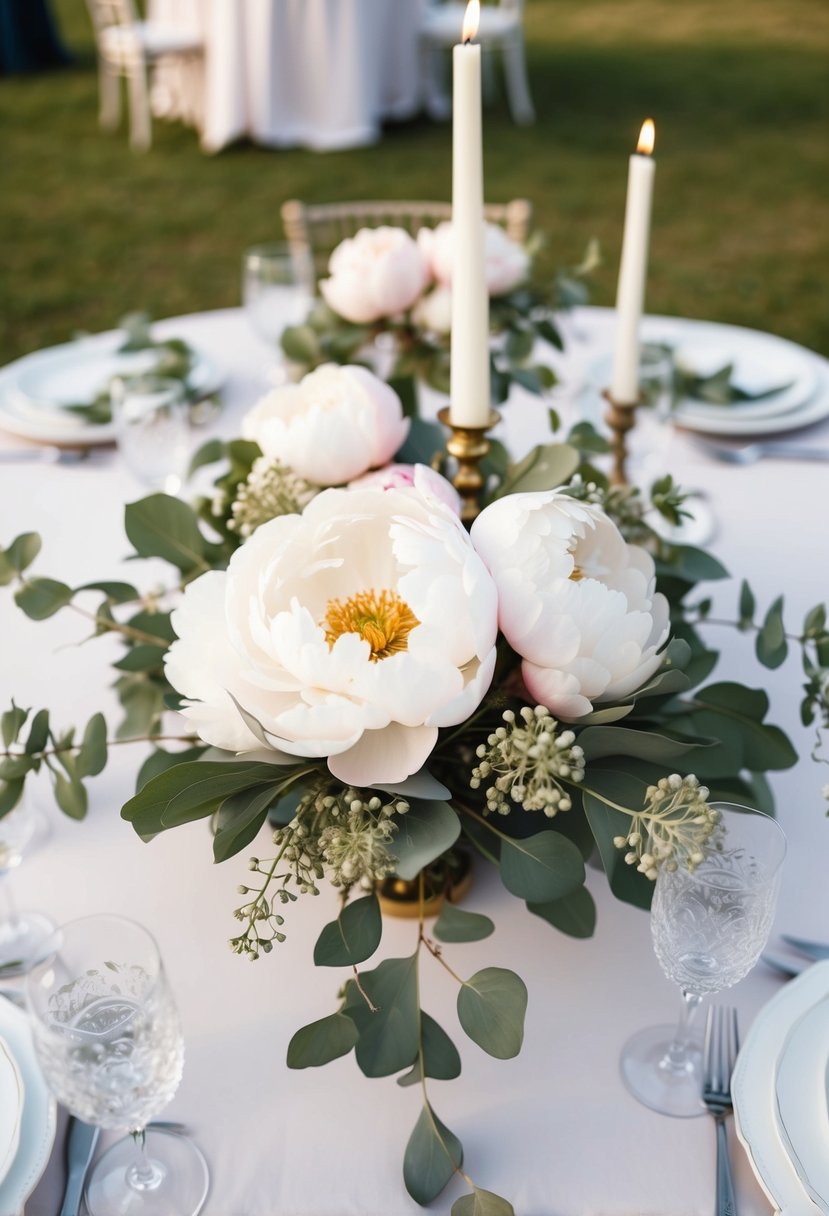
401 897
469 445
621 418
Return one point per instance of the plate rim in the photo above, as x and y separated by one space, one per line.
820 1007
11 1147
62 434
773 1021
15 1025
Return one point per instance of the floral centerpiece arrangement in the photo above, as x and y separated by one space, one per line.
377 692
387 301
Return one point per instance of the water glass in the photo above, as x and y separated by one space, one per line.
22 934
108 1039
152 427
709 926
277 288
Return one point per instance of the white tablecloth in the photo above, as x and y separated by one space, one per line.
554 1129
320 73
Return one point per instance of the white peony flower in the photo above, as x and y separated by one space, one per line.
376 273
434 310
506 263
331 427
575 600
417 477
352 631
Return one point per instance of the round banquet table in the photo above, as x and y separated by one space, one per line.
554 1130
319 73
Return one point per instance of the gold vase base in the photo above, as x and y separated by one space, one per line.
400 897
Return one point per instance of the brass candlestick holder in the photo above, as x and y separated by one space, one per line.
621 418
469 445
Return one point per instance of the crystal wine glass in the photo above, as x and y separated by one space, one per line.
151 415
277 287
108 1039
22 934
708 925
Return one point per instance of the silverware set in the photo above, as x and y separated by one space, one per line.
789 965
750 453
722 1043
45 454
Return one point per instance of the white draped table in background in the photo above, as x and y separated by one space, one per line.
319 73
554 1129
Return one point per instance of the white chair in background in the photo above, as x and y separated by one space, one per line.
501 28
128 47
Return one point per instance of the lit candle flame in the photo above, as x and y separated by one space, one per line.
471 19
647 138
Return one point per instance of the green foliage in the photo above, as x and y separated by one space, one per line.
491 1009
18 557
239 819
425 832
574 914
545 467
322 1041
389 1036
352 937
772 646
432 1156
164 526
457 925
541 868
40 598
482 1203
439 1054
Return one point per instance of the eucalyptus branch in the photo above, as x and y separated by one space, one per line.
10 753
359 986
113 626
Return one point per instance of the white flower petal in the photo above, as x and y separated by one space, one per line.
385 755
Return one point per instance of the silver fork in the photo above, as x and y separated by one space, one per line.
722 1043
749 453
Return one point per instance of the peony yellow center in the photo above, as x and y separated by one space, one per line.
381 618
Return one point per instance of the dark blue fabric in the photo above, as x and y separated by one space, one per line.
29 39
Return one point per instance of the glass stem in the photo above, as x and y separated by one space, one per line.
144 1174
9 915
677 1057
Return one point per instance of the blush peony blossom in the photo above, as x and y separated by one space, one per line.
376 273
506 263
417 477
433 311
337 423
353 631
576 601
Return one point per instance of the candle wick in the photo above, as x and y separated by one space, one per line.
467 41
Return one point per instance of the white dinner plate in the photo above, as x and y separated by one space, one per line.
35 389
756 1116
802 1101
37 1124
11 1107
760 360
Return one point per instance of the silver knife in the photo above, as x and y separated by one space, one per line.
788 966
80 1145
813 949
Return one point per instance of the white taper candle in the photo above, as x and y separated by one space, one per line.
630 297
469 393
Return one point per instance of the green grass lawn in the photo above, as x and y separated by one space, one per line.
738 89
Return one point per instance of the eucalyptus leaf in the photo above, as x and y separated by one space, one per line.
320 1042
424 832
606 823
10 792
70 796
143 703
191 791
160 761
163 526
457 925
482 1203
771 646
431 1158
421 443
92 756
238 821
144 656
440 1055
38 732
119 593
545 467
491 1009
599 741
419 785
747 604
20 554
12 722
352 937
12 767
542 867
208 453
40 598
388 1040
574 915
